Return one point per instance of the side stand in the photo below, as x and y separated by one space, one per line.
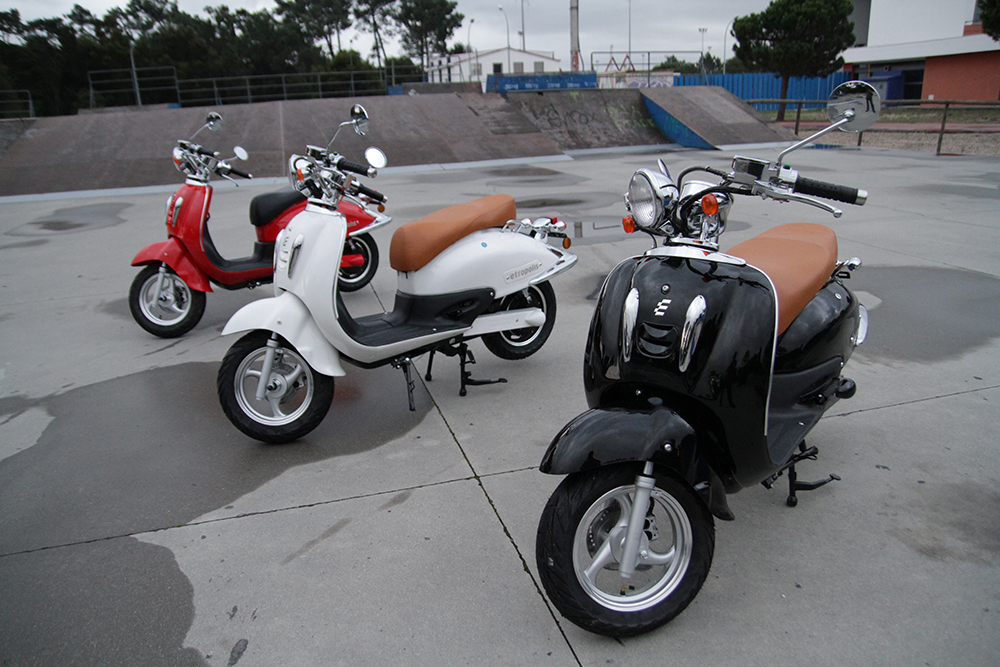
793 479
405 363
465 357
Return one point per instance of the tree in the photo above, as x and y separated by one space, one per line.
795 38
319 19
427 25
374 16
989 14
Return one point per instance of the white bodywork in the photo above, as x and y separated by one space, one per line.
307 263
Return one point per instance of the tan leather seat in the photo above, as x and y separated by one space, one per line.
798 258
416 243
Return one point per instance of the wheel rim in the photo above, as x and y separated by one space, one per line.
667 542
531 297
353 274
174 303
289 390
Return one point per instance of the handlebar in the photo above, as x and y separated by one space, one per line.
347 165
841 193
237 172
374 195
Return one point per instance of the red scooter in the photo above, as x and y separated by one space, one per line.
167 298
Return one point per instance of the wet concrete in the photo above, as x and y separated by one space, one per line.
136 524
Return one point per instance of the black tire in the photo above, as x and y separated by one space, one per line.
585 513
353 278
522 343
178 309
294 384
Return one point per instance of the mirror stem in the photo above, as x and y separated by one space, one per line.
843 121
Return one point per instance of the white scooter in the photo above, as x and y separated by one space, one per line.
467 271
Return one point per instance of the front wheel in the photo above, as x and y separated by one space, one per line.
353 278
522 343
581 536
165 306
295 399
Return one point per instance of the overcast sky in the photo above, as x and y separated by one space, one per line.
605 25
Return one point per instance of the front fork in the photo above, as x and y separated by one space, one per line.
160 282
265 371
644 484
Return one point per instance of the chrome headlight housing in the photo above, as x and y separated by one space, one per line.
651 198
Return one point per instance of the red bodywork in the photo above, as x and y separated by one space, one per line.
184 253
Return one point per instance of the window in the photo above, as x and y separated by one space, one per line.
518 68
539 67
498 68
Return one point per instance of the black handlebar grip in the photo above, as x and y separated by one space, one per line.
374 195
843 193
362 169
240 173
204 151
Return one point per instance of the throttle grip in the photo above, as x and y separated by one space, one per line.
244 174
842 193
374 195
204 151
364 170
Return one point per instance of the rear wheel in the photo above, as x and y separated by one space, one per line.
295 400
353 278
580 539
522 343
166 310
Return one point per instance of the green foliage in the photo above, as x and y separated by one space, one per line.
989 14
427 25
795 38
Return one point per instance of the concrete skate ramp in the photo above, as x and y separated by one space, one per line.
584 119
126 149
708 117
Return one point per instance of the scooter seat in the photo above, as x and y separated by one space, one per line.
798 258
268 206
416 243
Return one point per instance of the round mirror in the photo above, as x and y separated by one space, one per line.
360 119
241 153
214 121
375 157
856 100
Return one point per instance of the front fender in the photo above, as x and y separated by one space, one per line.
176 256
601 437
287 316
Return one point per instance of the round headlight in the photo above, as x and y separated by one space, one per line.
647 208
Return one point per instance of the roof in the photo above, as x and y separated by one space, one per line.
919 50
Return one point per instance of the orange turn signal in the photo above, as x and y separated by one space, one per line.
709 204
628 222
299 175
567 243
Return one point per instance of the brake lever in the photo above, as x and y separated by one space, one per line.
765 190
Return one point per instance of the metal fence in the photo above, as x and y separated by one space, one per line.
767 87
159 85
16 104
948 105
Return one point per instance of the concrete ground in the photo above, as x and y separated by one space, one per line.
137 526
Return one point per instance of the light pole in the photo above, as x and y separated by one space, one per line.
725 54
468 42
135 79
630 28
522 25
506 23
703 31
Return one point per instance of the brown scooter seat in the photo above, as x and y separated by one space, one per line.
416 243
798 258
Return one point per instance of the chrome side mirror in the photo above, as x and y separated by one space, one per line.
359 116
375 157
241 153
213 121
856 101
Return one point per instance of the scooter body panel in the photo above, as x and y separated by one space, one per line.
502 260
635 353
287 316
601 437
173 253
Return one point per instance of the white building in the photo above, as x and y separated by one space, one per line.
476 66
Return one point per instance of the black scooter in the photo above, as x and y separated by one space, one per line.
704 372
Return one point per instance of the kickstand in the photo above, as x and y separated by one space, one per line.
465 357
405 363
793 479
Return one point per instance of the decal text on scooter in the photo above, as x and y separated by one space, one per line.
661 308
521 272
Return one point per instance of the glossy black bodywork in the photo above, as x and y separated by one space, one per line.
746 421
